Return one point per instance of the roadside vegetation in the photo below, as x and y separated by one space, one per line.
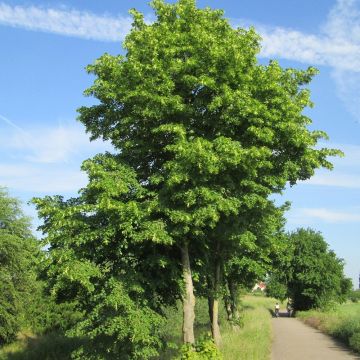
155 249
250 341
340 321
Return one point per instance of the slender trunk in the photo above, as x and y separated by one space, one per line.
215 328
228 307
233 305
188 297
210 307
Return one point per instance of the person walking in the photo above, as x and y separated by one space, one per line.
277 309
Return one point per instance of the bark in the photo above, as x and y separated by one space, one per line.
215 328
188 297
233 305
228 307
211 304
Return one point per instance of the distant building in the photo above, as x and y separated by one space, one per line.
259 286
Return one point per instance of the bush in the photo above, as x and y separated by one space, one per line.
347 329
354 341
204 349
354 296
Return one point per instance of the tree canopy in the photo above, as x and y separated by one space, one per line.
19 255
203 135
312 276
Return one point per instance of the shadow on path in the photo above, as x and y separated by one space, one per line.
282 314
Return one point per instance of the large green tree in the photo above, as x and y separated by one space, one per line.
19 256
203 124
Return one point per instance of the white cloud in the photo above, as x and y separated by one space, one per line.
346 172
331 216
344 21
45 160
336 180
66 22
351 158
35 178
311 49
55 144
337 46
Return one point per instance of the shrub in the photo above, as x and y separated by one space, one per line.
354 341
204 349
354 296
347 329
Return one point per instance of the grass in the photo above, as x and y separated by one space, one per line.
252 341
342 322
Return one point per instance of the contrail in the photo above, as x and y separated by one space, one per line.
9 122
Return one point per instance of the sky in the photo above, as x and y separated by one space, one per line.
45 46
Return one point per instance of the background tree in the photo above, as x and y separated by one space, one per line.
206 127
19 256
312 276
317 273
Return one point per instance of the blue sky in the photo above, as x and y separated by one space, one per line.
45 46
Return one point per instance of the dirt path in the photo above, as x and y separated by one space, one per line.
294 340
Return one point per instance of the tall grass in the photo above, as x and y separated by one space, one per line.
342 322
252 341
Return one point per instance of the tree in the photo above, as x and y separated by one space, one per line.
202 124
249 259
317 273
107 253
313 276
19 256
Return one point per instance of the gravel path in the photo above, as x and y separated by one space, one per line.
294 340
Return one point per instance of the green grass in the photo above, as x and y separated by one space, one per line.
252 341
343 323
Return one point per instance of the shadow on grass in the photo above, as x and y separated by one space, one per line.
52 346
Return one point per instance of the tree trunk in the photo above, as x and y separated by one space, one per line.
211 305
188 297
215 329
233 305
228 307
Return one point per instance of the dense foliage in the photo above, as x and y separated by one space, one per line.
313 276
208 129
203 135
354 295
107 256
19 255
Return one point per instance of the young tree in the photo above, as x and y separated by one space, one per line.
203 125
19 255
108 254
